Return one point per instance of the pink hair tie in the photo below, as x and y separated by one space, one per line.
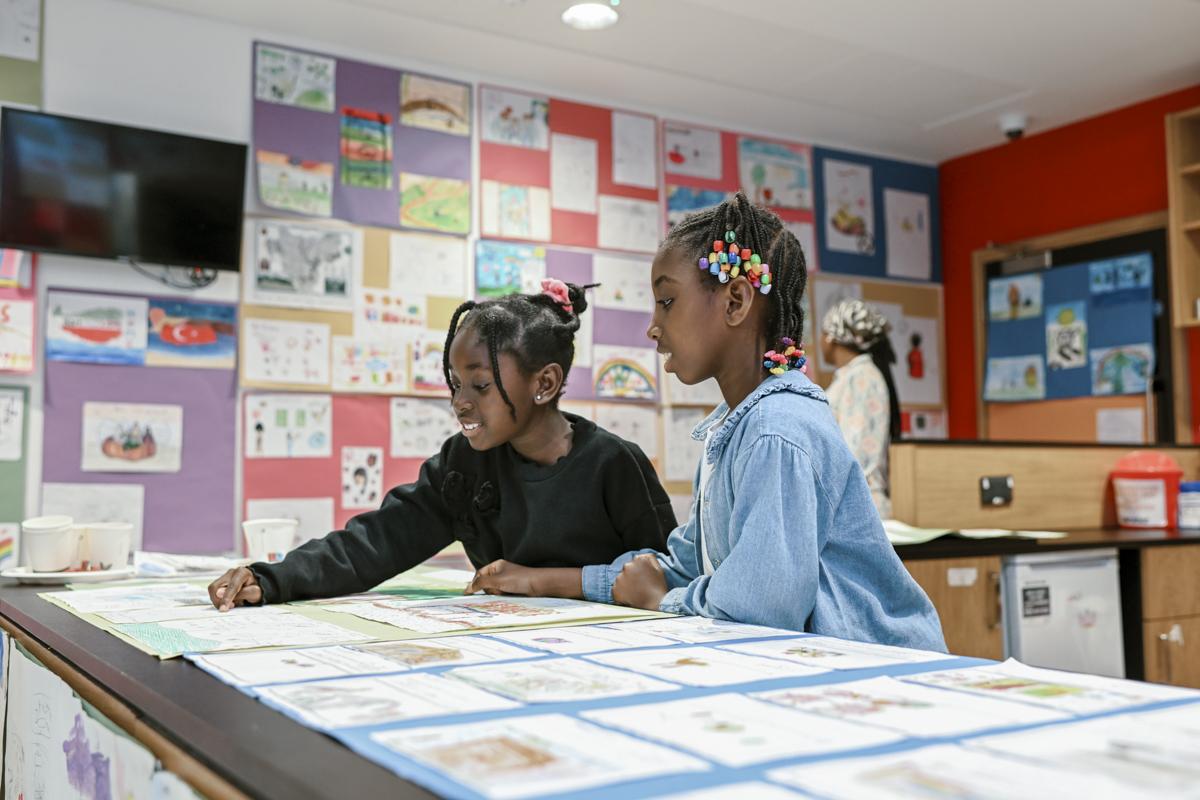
558 291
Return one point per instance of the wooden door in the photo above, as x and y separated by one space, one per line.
966 593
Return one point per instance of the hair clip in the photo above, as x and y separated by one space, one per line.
557 291
791 357
727 261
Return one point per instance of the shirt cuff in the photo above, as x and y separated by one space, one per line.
597 582
672 602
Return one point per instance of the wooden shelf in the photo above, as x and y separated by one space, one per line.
1192 226
1190 169
1183 226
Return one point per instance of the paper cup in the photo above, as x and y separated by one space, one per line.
107 545
51 543
269 539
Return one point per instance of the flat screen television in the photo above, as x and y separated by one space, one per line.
87 188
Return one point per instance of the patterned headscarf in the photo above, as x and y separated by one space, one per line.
855 324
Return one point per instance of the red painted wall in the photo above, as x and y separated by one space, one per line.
1093 171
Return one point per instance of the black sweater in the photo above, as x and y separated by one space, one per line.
599 501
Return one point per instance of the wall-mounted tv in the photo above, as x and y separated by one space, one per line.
87 188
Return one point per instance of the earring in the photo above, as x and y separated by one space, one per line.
538 398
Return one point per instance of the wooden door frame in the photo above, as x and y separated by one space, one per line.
1071 238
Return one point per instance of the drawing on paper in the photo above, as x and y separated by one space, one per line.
187 334
382 314
775 174
692 151
624 283
1015 378
293 78
1018 297
88 770
16 335
12 424
1121 275
290 183
515 119
288 426
502 268
624 378
437 204
369 366
124 437
92 328
304 265
366 149
420 427
1126 369
908 234
425 365
1066 335
628 224
515 212
849 208
286 352
362 477
557 680
684 200
426 264
436 105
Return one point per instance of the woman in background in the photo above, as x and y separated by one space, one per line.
863 395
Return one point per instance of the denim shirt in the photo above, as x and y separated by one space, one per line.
790 529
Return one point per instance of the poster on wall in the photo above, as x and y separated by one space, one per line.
426 264
684 200
443 106
434 203
293 78
377 366
419 427
513 118
1126 369
16 335
182 333
1018 297
849 208
362 477
276 351
291 183
12 424
131 437
298 265
96 328
634 155
775 174
289 426
692 151
907 232
366 148
574 167
515 212
1015 378
502 268
625 373
1066 335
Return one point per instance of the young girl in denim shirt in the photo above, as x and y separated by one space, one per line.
782 530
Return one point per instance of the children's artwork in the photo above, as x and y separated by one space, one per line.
517 757
16 335
627 224
183 333
624 283
293 78
1018 297
314 514
906 708
925 424
827 294
20 31
289 426
478 612
682 452
584 639
261 627
383 314
420 427
573 173
1121 280
168 594
303 266
9 534
455 651
557 680
516 119
806 236
944 771
703 666
436 105
825 652
366 149
425 366
691 151
1066 335
502 268
906 215
849 208
698 630
353 702
12 424
633 143
11 262
1072 692
775 174
362 477
379 366
276 351
585 338
289 183
98 502
916 342
425 264
436 204
515 212
684 200
738 731
633 423
96 328
1121 425
706 393
626 373
1125 369
1015 378
124 437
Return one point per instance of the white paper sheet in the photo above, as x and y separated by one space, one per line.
376 366
1121 425
16 335
362 477
512 118
131 437
738 791
515 212
20 29
315 514
688 150
300 265
130 598
683 453
573 173
737 731
96 328
289 426
451 650
557 680
633 143
627 373
42 712
419 428
420 264
828 653
775 174
477 612
243 631
624 283
627 224
381 314
849 208
706 393
584 639
12 424
276 351
908 234
637 424
918 369
529 756
700 630
98 502
703 666
294 78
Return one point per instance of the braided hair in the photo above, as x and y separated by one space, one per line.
762 232
534 329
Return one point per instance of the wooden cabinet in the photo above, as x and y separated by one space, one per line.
1171 614
1183 193
966 593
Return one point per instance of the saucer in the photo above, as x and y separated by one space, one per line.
26 575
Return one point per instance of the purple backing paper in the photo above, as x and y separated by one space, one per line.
190 511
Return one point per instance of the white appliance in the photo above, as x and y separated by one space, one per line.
1063 610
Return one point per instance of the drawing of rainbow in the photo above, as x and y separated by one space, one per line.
621 377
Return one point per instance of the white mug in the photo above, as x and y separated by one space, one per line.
107 545
51 543
269 539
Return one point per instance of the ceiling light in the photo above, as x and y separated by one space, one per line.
590 16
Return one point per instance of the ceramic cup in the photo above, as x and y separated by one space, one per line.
269 539
107 545
51 543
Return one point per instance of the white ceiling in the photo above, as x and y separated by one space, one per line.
919 79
